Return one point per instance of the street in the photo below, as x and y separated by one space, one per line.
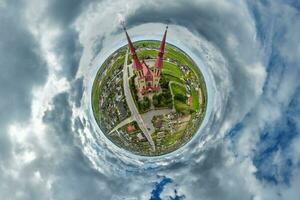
132 107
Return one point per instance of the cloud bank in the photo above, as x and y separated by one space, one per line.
247 147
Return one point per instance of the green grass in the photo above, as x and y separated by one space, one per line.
195 99
144 53
182 58
170 52
169 77
95 100
147 43
172 69
178 89
180 106
172 138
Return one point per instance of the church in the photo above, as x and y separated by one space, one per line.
147 75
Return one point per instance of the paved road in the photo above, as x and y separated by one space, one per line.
132 107
121 124
149 115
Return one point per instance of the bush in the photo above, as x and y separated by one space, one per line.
147 102
167 95
163 100
164 84
180 97
155 100
144 104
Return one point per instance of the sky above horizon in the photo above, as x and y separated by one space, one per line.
247 147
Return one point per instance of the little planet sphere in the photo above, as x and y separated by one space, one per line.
149 97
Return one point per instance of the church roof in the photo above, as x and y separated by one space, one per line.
146 72
137 65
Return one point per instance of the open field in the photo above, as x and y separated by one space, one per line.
172 70
178 89
146 53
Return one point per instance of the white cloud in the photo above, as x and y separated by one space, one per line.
58 154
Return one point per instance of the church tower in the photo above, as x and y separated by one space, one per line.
136 64
159 60
147 77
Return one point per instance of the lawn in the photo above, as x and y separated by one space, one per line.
147 43
95 100
147 53
183 106
178 89
178 56
172 69
170 52
195 99
180 106
183 59
172 138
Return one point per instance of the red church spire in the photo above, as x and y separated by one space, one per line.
159 59
135 60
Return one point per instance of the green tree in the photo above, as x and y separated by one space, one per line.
155 100
180 97
144 104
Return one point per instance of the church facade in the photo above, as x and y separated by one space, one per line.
147 75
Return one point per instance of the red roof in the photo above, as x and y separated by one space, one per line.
135 61
149 88
146 72
130 128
